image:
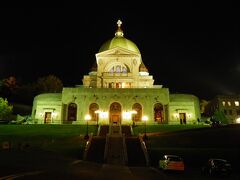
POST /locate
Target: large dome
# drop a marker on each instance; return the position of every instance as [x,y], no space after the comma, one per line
[119,41]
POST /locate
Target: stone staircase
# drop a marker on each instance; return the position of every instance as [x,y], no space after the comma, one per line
[115,148]
[116,145]
[127,130]
[103,130]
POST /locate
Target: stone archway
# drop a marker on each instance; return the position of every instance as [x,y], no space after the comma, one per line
[72,112]
[115,113]
[158,113]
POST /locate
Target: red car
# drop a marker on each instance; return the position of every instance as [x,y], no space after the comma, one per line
[171,162]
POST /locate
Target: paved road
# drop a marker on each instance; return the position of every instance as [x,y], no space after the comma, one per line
[46,165]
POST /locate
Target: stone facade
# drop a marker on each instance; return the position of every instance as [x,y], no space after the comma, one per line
[118,89]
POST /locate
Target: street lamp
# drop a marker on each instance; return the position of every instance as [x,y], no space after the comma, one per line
[97,112]
[87,118]
[133,112]
[145,119]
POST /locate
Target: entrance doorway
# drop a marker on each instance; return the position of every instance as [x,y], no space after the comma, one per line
[182,117]
[115,113]
[48,118]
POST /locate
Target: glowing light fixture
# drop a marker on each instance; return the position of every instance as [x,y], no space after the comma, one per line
[54,114]
[133,112]
[127,115]
[103,114]
[176,115]
[97,111]
[236,103]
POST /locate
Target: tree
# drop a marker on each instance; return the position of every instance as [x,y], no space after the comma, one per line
[5,109]
[220,116]
[16,92]
[49,84]
[8,87]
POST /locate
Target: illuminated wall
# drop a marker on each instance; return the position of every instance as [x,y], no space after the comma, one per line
[183,109]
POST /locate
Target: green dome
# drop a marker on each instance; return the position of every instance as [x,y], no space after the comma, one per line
[119,42]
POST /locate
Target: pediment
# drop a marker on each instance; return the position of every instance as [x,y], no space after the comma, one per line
[117,51]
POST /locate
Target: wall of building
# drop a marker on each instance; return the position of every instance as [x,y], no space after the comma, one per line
[104,97]
[183,104]
[44,103]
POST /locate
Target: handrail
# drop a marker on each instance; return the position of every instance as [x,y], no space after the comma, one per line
[125,155]
[106,148]
[98,131]
[88,145]
[144,148]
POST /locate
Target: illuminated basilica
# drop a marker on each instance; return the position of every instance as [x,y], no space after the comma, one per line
[117,90]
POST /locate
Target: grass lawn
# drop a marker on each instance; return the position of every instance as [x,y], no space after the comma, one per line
[164,128]
[67,140]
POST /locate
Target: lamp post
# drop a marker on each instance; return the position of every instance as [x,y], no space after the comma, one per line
[133,112]
[97,112]
[145,118]
[87,118]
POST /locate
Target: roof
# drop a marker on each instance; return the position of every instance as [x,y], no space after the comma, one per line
[119,41]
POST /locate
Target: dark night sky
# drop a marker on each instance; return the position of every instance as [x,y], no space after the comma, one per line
[189,50]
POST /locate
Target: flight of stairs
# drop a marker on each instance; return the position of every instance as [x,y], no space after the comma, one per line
[116,145]
[103,130]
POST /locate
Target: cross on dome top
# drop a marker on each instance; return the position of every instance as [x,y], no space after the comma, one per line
[119,23]
[119,32]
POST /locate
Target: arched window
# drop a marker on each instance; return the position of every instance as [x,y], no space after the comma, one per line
[124,70]
[111,70]
[92,111]
[72,112]
[119,69]
[138,116]
[158,113]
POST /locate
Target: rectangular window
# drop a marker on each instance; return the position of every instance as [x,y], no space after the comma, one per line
[229,103]
[236,103]
[223,103]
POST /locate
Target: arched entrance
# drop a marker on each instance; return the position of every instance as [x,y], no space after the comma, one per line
[158,113]
[92,111]
[137,117]
[72,112]
[115,113]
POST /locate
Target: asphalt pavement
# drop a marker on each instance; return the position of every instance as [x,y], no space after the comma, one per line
[37,164]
